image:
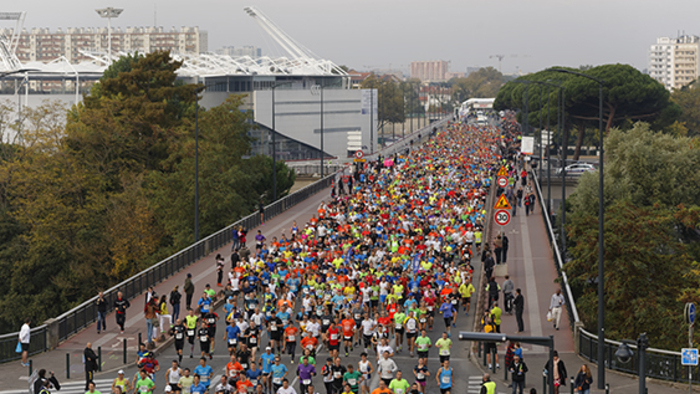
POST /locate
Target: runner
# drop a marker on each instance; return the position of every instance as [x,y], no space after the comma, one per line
[444,377]
[445,346]
[191,325]
[421,373]
[179,331]
[423,343]
[366,369]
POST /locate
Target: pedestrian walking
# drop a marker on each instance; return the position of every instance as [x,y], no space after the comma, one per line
[189,291]
[121,304]
[235,239]
[519,304]
[101,306]
[508,288]
[24,338]
[219,269]
[559,372]
[555,306]
[518,369]
[584,380]
[175,298]
[504,248]
[150,312]
[261,209]
[90,359]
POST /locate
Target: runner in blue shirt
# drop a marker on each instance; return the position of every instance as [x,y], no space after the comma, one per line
[197,386]
[205,372]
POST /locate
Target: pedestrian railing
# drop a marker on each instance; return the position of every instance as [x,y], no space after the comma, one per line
[57,330]
[660,364]
[572,312]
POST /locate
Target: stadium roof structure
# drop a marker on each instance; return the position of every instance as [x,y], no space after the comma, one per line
[299,62]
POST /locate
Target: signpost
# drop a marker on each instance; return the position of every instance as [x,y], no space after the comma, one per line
[502,182]
[359,156]
[502,217]
[502,203]
[502,172]
[689,356]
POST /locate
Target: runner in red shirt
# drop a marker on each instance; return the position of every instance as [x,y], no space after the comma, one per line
[333,335]
[348,327]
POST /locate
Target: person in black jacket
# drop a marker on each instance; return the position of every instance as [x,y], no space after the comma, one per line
[504,248]
[519,304]
[518,369]
[101,305]
[559,372]
[120,306]
[175,298]
[584,380]
[90,365]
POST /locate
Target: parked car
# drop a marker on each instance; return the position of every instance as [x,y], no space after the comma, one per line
[577,169]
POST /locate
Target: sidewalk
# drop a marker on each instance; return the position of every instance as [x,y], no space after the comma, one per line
[530,266]
[111,342]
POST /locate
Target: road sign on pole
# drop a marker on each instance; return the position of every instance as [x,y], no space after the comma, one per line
[502,203]
[359,154]
[502,217]
[502,181]
[689,313]
[689,356]
[502,172]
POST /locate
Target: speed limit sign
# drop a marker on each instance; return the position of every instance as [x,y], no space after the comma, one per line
[359,154]
[502,181]
[502,217]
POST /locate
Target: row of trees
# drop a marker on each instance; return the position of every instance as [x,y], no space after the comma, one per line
[652,243]
[99,192]
[628,96]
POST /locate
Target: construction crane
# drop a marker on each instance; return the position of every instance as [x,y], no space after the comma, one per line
[501,57]
[8,47]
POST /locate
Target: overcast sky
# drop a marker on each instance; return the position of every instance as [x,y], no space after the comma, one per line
[533,34]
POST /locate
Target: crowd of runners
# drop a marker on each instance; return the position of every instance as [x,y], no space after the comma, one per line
[384,261]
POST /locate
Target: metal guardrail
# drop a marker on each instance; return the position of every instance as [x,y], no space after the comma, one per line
[572,312]
[84,314]
[660,364]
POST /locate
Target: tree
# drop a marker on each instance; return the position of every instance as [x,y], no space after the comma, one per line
[688,99]
[390,100]
[651,235]
[483,83]
[628,96]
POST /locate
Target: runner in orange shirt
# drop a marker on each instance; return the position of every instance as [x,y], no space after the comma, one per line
[309,342]
[290,337]
[233,368]
[348,327]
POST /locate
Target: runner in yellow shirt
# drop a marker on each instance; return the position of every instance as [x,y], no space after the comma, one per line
[465,291]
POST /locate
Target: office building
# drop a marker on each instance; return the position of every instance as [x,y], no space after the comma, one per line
[44,45]
[247,50]
[430,71]
[674,61]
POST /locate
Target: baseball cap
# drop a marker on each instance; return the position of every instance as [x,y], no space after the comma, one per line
[168,389]
[121,372]
[268,348]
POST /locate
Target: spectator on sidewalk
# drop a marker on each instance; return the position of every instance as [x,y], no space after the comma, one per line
[496,313]
[498,249]
[101,306]
[189,291]
[519,304]
[518,369]
[91,364]
[487,386]
[559,372]
[493,288]
[24,337]
[555,306]
[584,380]
[504,253]
[175,298]
[150,313]
[166,320]
[508,287]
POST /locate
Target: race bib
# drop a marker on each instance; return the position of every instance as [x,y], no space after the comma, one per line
[431,308]
[422,320]
[143,389]
[337,375]
[454,302]
[357,316]
[306,382]
[190,333]
[352,382]
[397,326]
[253,340]
[291,338]
[334,337]
[254,382]
[444,352]
[232,341]
[445,380]
[204,338]
[420,376]
[326,322]
[423,346]
[179,336]
[277,380]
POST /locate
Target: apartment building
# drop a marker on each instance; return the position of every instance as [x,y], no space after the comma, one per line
[430,71]
[675,62]
[43,45]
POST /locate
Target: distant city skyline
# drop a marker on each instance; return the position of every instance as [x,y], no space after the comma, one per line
[530,35]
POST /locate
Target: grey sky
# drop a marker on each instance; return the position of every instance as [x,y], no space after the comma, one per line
[380,33]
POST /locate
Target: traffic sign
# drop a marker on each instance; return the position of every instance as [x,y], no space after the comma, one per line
[502,172]
[358,160]
[689,313]
[502,217]
[359,154]
[689,356]
[502,203]
[502,181]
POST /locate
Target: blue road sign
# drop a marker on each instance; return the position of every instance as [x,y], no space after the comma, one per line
[691,313]
[689,356]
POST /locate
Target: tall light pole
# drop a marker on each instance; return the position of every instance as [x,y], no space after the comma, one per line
[109,13]
[196,161]
[274,141]
[601,240]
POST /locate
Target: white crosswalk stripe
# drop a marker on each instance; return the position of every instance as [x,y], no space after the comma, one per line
[74,387]
[474,385]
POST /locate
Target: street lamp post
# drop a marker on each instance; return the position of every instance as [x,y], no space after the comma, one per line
[196,162]
[274,141]
[109,13]
[601,240]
